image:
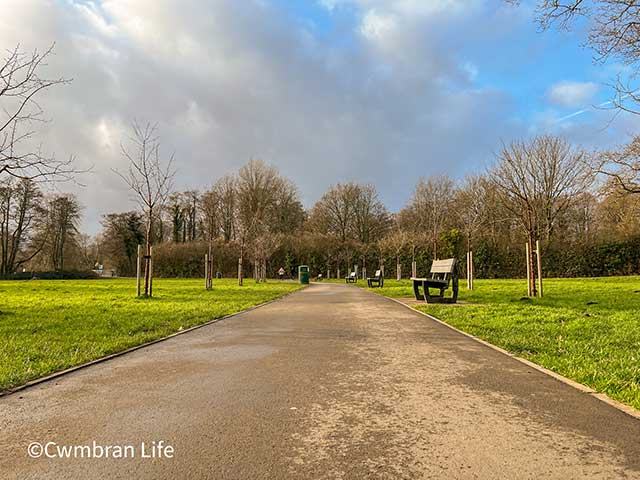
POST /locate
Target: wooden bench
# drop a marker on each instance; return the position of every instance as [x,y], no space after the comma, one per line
[377,280]
[352,278]
[443,274]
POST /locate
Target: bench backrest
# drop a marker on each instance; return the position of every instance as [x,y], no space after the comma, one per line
[443,269]
[443,266]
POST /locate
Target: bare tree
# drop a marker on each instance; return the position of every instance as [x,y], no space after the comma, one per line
[175,209]
[62,227]
[150,179]
[256,187]
[430,208]
[395,244]
[21,83]
[333,214]
[618,213]
[263,248]
[350,211]
[537,181]
[262,196]
[470,206]
[21,216]
[621,166]
[226,191]
[371,218]
[191,200]
[122,234]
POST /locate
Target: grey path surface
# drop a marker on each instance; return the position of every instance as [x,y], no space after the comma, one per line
[332,382]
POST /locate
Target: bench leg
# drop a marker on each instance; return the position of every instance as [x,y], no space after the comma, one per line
[427,294]
[454,288]
[416,291]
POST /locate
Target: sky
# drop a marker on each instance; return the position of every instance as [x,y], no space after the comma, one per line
[373,91]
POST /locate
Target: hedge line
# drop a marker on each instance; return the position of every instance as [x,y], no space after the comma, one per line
[491,260]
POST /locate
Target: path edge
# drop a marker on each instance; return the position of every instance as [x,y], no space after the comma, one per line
[54,375]
[556,376]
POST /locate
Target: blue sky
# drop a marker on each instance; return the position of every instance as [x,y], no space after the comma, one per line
[376,91]
[523,61]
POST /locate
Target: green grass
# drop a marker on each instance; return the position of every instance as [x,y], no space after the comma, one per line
[50,325]
[587,329]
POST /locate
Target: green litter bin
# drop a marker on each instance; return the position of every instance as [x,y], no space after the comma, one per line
[303,274]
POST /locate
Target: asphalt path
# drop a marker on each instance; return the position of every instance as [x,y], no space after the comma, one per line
[332,382]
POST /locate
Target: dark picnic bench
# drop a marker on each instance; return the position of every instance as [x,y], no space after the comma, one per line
[443,274]
[377,280]
[351,278]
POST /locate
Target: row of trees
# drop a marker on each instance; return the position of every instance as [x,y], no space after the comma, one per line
[39,231]
[543,189]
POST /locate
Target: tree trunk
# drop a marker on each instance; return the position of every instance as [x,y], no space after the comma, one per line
[398,269]
[147,259]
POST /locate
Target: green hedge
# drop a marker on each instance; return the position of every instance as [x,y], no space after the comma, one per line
[490,260]
[62,275]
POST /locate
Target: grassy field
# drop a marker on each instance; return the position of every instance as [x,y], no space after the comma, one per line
[50,325]
[586,329]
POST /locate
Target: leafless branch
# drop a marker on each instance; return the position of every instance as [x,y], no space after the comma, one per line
[21,83]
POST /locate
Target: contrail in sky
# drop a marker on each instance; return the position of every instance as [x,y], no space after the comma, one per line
[600,105]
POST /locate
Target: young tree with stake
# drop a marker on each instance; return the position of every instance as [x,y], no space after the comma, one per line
[537,181]
[150,179]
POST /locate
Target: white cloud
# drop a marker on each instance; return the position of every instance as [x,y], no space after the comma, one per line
[572,94]
[407,7]
[376,25]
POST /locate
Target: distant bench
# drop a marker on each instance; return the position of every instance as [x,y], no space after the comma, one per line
[443,273]
[377,280]
[351,278]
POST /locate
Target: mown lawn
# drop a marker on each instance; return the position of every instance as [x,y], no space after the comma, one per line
[587,329]
[50,325]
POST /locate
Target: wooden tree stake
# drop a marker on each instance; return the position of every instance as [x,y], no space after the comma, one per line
[151,271]
[206,271]
[473,273]
[539,258]
[138,270]
[528,270]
